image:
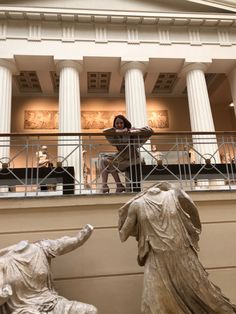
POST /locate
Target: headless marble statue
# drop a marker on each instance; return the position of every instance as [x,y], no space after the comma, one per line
[26,284]
[166,224]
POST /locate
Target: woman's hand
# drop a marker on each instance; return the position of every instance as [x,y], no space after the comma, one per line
[135,131]
[123,131]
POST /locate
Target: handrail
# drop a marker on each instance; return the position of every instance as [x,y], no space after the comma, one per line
[112,133]
[78,162]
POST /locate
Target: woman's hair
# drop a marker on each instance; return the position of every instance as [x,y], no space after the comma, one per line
[127,124]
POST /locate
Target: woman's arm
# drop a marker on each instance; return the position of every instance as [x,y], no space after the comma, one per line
[143,133]
[146,130]
[112,138]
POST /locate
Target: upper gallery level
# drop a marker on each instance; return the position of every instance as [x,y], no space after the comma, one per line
[130,30]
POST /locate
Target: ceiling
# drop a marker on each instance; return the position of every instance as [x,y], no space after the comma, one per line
[129,5]
[101,77]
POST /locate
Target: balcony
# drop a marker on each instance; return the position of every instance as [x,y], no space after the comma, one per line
[193,161]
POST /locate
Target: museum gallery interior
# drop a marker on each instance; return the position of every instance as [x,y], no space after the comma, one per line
[67,68]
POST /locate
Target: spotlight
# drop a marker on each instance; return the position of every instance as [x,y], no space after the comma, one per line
[232,104]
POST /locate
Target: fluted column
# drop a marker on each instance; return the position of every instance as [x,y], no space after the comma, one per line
[70,148]
[200,113]
[6,70]
[135,97]
[232,82]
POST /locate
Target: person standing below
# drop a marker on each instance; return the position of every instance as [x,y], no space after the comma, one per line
[127,140]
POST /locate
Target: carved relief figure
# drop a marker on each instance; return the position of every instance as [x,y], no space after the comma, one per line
[158,119]
[97,119]
[166,224]
[26,285]
[40,119]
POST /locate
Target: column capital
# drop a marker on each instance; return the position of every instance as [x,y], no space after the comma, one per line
[78,65]
[10,65]
[194,66]
[125,66]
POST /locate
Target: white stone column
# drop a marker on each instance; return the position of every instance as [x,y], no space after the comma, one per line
[200,113]
[135,98]
[232,82]
[6,70]
[70,148]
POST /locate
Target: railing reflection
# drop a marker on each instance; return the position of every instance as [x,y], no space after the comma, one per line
[73,163]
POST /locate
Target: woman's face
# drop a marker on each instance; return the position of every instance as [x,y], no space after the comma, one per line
[119,124]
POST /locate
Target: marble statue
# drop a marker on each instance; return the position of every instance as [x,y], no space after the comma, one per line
[166,225]
[26,285]
[43,158]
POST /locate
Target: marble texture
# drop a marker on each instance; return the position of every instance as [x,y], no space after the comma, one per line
[166,225]
[26,284]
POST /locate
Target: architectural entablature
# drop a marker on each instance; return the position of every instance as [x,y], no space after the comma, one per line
[68,26]
[117,17]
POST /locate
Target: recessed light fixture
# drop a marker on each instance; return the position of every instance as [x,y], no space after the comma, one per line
[232,104]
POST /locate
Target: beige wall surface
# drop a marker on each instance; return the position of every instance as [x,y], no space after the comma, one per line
[220,99]
[177,107]
[104,271]
[177,110]
[20,104]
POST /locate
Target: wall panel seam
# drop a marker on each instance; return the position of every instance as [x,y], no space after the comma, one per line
[133,274]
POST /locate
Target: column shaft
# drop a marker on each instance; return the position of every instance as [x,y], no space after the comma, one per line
[135,97]
[5,105]
[69,101]
[70,148]
[200,116]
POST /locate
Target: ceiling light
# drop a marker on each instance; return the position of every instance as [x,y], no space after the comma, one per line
[232,104]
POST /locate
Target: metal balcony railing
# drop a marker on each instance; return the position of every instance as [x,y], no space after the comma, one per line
[194,161]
